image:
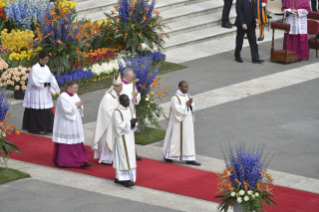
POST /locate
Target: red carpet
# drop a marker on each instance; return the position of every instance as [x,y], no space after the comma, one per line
[162,176]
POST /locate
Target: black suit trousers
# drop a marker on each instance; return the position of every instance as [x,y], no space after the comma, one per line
[226,11]
[251,34]
[314,5]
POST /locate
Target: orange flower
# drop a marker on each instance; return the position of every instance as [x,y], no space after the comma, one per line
[131,4]
[140,33]
[166,89]
[125,35]
[66,26]
[133,26]
[157,13]
[160,95]
[144,18]
[150,24]
[58,41]
[146,9]
[17,132]
[160,36]
[237,181]
[50,54]
[117,6]
[142,86]
[151,95]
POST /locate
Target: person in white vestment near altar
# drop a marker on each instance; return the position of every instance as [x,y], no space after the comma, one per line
[38,115]
[129,89]
[124,158]
[68,133]
[103,140]
[179,142]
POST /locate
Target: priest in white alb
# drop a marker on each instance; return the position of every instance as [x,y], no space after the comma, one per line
[124,159]
[68,133]
[179,142]
[130,90]
[38,115]
[103,141]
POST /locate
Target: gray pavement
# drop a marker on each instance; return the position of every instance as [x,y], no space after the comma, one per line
[28,195]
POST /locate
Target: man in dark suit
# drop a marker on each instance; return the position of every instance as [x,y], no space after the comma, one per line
[225,15]
[246,23]
[314,5]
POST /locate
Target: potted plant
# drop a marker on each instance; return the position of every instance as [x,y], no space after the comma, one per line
[245,181]
[15,79]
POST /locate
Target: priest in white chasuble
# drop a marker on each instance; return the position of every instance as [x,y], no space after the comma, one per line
[38,116]
[68,133]
[124,160]
[179,142]
[103,140]
[129,89]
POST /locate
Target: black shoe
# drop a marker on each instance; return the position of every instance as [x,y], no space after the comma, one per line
[227,25]
[127,183]
[260,39]
[269,16]
[231,24]
[34,132]
[238,59]
[138,158]
[193,163]
[56,164]
[258,61]
[168,160]
[106,164]
[85,165]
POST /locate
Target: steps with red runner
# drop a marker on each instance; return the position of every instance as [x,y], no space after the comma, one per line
[161,176]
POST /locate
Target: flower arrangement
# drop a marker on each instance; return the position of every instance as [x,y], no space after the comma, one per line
[16,40]
[80,76]
[67,4]
[105,69]
[6,147]
[245,180]
[64,38]
[5,52]
[15,78]
[26,13]
[147,109]
[3,65]
[136,22]
[100,55]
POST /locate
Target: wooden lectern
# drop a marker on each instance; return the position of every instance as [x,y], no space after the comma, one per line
[282,55]
[313,16]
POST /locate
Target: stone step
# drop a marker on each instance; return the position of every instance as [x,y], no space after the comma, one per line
[197,23]
[95,9]
[191,11]
[198,36]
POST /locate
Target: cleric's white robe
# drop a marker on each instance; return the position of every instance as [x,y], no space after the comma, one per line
[179,142]
[103,139]
[128,90]
[124,160]
[298,22]
[37,96]
[68,127]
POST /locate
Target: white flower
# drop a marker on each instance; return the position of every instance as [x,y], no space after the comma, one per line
[3,135]
[256,195]
[241,192]
[233,194]
[239,199]
[253,196]
[250,192]
[147,99]
[246,198]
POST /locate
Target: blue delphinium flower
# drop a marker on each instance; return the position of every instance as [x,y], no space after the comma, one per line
[76,75]
[150,10]
[124,7]
[4,104]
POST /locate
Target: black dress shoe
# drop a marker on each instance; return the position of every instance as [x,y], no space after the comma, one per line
[85,165]
[56,164]
[168,160]
[260,39]
[245,37]
[34,132]
[269,16]
[238,59]
[231,24]
[138,158]
[106,164]
[258,61]
[227,25]
[193,163]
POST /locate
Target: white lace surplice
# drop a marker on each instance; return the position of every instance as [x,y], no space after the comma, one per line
[298,22]
[68,127]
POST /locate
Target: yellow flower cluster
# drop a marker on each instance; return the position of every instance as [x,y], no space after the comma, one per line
[107,22]
[3,3]
[68,4]
[16,40]
[24,54]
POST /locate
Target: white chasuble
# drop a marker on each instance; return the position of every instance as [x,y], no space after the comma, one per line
[68,128]
[128,90]
[124,144]
[179,142]
[103,138]
[37,96]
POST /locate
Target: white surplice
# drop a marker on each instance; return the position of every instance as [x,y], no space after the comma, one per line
[124,160]
[68,127]
[128,90]
[37,96]
[103,137]
[179,142]
[298,22]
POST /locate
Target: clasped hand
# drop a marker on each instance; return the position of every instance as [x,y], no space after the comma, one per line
[134,120]
[79,104]
[189,102]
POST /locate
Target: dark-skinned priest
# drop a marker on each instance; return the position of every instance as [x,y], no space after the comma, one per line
[124,159]
[38,116]
[179,142]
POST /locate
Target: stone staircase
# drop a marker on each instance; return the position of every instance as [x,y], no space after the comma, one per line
[188,21]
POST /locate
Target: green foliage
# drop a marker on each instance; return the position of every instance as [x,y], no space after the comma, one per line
[6,148]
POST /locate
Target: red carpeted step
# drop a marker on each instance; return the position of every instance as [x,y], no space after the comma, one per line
[161,176]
